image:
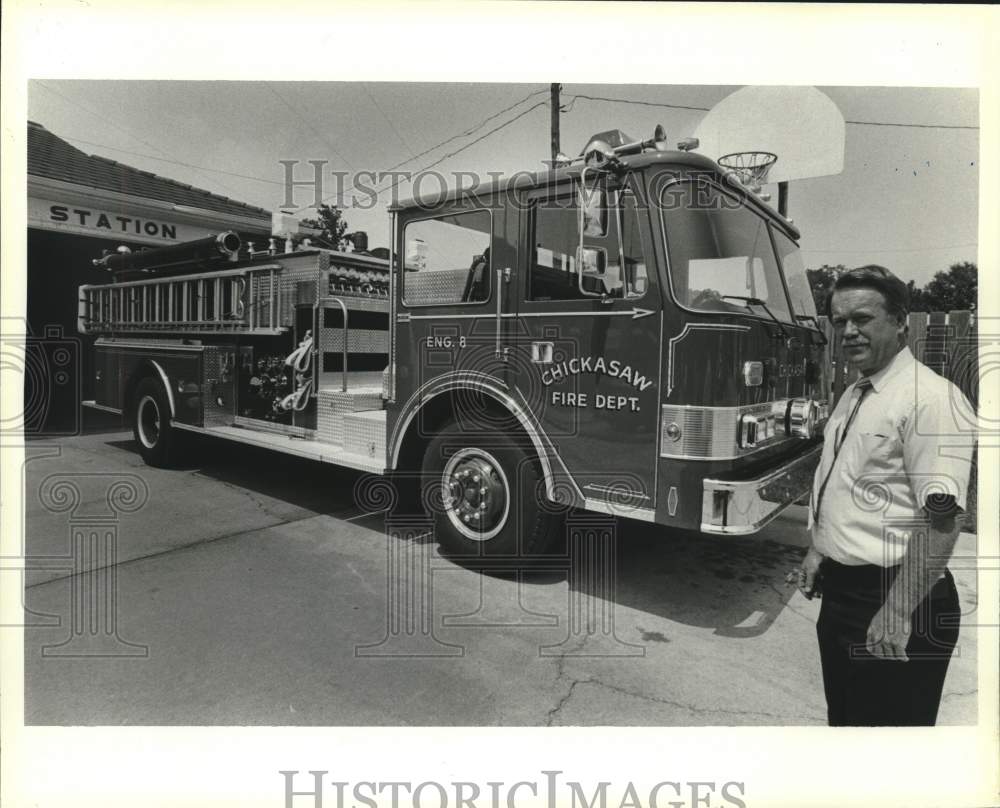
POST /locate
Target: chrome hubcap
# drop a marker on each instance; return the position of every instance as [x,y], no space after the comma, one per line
[149,422]
[476,494]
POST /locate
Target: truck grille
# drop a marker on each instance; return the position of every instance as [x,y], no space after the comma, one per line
[713,433]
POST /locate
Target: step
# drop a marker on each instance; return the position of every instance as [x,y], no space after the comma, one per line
[333,379]
[312,449]
[332,405]
[364,433]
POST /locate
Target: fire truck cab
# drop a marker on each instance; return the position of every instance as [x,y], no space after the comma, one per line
[631,333]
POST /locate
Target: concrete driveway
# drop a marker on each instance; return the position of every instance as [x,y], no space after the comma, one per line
[250,588]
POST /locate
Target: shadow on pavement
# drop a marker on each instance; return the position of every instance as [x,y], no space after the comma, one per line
[318,487]
[734,585]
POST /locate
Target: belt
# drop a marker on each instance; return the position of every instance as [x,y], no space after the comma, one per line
[864,575]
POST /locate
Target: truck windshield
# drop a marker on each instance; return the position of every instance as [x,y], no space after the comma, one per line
[796,279]
[719,251]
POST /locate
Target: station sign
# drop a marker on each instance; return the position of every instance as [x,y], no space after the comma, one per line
[109,222]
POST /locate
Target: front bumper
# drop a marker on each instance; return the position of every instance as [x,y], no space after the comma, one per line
[742,506]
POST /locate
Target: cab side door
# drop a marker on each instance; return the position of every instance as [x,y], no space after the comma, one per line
[588,348]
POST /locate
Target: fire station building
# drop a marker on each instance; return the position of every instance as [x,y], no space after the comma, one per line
[78,206]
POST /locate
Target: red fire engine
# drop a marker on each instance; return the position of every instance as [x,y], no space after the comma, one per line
[631,332]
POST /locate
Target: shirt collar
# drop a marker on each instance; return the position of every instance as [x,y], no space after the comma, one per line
[902,360]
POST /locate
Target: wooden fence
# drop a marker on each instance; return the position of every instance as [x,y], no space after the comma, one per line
[945,342]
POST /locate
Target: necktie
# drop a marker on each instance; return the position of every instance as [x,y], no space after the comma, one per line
[861,388]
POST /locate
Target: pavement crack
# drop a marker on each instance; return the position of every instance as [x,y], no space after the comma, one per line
[168,551]
[258,503]
[560,660]
[690,707]
[696,710]
[551,715]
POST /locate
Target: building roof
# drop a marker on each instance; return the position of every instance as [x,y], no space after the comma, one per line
[52,157]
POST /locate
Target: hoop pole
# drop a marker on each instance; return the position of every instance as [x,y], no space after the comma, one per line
[783,198]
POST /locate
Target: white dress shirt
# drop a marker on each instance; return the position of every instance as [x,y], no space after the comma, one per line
[912,437]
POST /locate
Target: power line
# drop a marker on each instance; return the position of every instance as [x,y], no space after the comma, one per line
[638,103]
[913,125]
[107,121]
[379,192]
[103,118]
[471,130]
[474,142]
[173,162]
[706,109]
[311,127]
[388,120]
[895,250]
[465,133]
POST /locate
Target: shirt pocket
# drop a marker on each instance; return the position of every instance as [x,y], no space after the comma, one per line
[874,453]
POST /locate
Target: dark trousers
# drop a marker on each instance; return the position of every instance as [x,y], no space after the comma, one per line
[864,690]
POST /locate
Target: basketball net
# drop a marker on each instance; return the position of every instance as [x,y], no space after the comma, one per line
[750,167]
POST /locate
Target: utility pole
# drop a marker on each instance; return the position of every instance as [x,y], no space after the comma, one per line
[554,103]
[783,198]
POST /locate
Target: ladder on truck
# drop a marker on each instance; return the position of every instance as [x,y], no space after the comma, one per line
[243,301]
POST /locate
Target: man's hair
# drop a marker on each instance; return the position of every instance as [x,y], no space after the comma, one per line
[893,290]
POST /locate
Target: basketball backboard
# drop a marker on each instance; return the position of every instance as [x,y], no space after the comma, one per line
[801,125]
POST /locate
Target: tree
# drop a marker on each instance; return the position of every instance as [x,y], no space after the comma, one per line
[916,297]
[954,290]
[821,282]
[331,222]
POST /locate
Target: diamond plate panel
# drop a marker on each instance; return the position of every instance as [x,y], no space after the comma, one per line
[333,406]
[361,340]
[219,368]
[357,303]
[434,288]
[364,434]
[296,271]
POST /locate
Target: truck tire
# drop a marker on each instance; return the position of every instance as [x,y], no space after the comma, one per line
[156,438]
[487,495]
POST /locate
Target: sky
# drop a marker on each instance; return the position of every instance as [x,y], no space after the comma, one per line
[907,197]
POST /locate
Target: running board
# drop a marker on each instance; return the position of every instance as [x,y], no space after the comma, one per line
[312,449]
[93,405]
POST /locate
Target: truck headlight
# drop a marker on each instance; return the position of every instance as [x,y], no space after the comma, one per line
[800,420]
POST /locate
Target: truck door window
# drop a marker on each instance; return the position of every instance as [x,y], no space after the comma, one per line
[718,247]
[611,243]
[446,260]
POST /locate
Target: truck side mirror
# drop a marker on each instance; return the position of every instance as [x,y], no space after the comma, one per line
[593,221]
[591,264]
[593,211]
[638,280]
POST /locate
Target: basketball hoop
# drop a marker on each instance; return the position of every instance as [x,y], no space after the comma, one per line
[750,167]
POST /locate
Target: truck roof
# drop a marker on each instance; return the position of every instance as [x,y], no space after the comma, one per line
[633,162]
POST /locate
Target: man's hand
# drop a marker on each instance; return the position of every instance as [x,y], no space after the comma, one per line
[888,633]
[809,574]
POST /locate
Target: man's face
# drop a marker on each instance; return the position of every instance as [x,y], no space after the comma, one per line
[871,336]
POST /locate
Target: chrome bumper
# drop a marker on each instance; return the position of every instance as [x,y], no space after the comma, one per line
[739,507]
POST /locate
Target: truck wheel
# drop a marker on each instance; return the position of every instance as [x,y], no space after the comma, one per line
[487,492]
[151,424]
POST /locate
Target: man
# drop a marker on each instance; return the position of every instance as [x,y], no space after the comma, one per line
[884,516]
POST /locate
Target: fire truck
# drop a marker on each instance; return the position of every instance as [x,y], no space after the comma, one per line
[629,332]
